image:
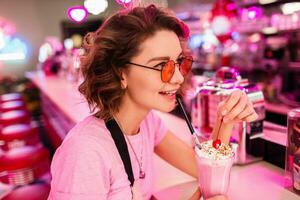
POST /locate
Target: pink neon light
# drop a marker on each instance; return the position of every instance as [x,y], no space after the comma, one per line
[77,13]
[7,27]
[254,12]
[123,2]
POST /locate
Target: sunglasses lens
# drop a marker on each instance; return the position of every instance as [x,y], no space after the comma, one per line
[168,71]
[186,65]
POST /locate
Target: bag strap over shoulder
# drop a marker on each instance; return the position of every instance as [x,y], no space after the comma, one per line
[121,145]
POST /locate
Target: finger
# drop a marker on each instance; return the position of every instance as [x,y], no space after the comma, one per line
[252,117]
[247,111]
[236,120]
[224,136]
[221,108]
[231,101]
[237,109]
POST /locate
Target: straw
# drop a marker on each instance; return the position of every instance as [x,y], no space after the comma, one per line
[187,120]
[185,115]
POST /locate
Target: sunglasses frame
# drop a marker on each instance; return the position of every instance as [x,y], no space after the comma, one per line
[154,67]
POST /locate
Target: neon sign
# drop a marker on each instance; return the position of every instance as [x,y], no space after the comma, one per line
[11,47]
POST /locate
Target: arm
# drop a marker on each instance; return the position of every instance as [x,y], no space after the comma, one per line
[184,161]
[235,108]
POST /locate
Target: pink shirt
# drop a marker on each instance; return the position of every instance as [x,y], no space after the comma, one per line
[88,166]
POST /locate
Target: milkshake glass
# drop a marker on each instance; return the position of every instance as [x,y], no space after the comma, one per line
[214,166]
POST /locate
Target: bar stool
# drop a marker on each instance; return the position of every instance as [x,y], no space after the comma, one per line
[12,105]
[37,191]
[10,97]
[18,135]
[14,117]
[23,165]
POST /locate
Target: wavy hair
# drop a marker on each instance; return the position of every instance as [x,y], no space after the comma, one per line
[112,46]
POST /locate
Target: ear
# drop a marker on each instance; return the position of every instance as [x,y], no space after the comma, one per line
[123,78]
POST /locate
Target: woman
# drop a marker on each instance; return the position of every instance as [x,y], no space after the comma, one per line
[132,64]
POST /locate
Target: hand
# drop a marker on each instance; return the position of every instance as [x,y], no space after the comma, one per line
[219,197]
[235,108]
[196,195]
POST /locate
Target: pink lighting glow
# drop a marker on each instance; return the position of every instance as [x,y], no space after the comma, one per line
[7,27]
[251,14]
[254,12]
[124,3]
[77,13]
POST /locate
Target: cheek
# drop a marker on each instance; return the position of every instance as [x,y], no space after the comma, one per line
[145,83]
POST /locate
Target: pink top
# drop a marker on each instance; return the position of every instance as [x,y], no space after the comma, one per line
[88,166]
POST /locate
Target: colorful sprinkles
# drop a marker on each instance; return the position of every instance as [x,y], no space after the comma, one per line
[207,150]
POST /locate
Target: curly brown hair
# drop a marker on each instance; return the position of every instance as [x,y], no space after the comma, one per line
[112,46]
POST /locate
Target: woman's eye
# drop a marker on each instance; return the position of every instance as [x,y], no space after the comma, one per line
[160,65]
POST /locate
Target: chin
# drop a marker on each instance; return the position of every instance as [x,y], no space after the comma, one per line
[166,108]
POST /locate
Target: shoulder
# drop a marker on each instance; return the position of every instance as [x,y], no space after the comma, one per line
[90,127]
[91,132]
[87,161]
[80,166]
[82,157]
[87,138]
[79,149]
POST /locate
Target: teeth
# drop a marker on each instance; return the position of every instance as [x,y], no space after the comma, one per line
[169,92]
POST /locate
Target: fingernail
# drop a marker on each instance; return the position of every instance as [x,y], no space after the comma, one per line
[224,112]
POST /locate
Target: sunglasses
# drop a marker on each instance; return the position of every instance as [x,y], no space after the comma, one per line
[168,68]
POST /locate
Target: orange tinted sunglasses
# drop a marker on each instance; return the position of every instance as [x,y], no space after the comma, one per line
[168,68]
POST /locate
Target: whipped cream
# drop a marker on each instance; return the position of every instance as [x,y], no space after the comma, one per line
[208,151]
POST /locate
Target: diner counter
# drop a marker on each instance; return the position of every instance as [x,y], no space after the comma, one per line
[259,180]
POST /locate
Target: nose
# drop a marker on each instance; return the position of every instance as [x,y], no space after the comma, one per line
[177,77]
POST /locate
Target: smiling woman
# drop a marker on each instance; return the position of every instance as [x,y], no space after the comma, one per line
[133,63]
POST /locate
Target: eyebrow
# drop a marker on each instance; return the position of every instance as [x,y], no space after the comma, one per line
[163,58]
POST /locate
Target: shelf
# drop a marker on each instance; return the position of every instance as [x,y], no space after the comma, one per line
[275,133]
[278,108]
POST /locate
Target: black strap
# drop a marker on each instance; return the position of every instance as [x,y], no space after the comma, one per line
[121,145]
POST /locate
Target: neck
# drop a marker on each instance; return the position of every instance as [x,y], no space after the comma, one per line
[130,117]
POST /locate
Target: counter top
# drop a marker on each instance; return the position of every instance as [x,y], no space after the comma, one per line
[256,181]
[62,93]
[260,180]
